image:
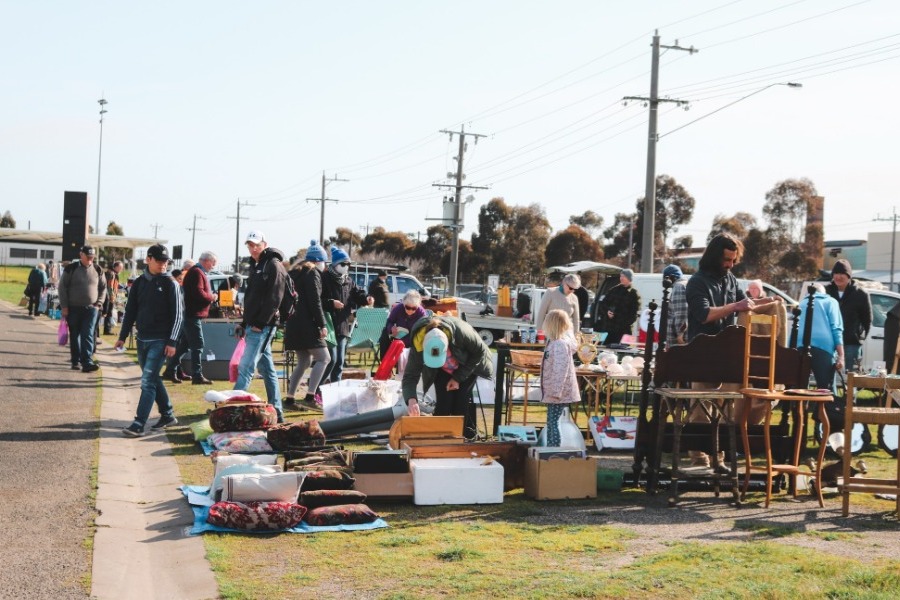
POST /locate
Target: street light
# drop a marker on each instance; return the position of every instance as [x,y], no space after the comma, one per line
[102,102]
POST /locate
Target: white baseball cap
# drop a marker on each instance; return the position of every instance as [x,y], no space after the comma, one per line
[255,236]
[434,349]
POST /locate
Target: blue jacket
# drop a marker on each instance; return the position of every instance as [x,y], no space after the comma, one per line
[155,305]
[827,323]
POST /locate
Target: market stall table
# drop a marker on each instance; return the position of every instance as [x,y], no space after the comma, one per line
[589,378]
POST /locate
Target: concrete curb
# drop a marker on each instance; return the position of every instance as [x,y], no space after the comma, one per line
[142,548]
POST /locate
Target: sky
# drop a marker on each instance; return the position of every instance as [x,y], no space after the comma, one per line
[211,104]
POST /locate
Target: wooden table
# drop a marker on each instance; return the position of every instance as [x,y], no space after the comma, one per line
[798,400]
[589,378]
[503,360]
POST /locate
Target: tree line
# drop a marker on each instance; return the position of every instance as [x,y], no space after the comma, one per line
[517,243]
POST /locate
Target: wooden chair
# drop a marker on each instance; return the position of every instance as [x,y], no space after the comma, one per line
[885,415]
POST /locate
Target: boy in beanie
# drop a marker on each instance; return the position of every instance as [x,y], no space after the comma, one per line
[856,310]
[340,297]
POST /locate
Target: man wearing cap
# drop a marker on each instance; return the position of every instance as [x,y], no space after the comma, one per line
[563,298]
[378,289]
[448,353]
[856,310]
[82,291]
[676,322]
[265,290]
[340,297]
[619,309]
[156,307]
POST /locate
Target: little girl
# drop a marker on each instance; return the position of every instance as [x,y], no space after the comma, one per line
[559,384]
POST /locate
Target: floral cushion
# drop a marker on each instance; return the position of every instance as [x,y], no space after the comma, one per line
[243,417]
[318,498]
[256,516]
[288,436]
[341,514]
[327,480]
[240,442]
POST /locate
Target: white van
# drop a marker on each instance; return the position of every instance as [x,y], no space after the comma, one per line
[398,283]
[648,285]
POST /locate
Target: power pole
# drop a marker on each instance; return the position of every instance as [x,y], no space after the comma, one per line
[237,235]
[893,242]
[630,239]
[193,231]
[457,224]
[156,227]
[652,137]
[323,200]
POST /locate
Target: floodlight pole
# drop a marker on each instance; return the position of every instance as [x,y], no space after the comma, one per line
[102,102]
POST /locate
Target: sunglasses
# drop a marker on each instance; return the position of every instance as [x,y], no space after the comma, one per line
[409,309]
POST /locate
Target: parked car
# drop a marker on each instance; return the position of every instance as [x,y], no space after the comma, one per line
[873,347]
[218,281]
[398,283]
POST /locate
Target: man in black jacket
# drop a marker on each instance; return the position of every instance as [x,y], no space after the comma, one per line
[620,308]
[265,290]
[155,306]
[856,310]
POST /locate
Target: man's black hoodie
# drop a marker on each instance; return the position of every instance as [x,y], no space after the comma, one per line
[265,288]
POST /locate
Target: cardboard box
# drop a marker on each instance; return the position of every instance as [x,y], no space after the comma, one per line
[561,478]
[456,481]
[442,430]
[510,455]
[385,485]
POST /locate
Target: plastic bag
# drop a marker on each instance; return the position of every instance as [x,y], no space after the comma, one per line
[62,334]
[236,360]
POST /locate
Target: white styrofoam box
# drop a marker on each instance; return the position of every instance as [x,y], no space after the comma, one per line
[456,481]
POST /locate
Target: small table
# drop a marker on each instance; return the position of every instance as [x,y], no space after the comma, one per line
[503,359]
[590,378]
[798,400]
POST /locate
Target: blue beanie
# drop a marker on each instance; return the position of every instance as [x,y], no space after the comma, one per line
[673,271]
[338,256]
[316,253]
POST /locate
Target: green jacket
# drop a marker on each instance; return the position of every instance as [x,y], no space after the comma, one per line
[466,347]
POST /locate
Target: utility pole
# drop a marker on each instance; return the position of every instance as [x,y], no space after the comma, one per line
[193,231]
[102,102]
[630,239]
[237,235]
[893,242]
[156,227]
[323,200]
[457,224]
[652,137]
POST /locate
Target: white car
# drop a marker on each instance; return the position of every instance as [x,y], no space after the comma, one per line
[873,346]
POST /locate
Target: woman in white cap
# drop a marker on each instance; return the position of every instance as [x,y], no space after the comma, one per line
[447,353]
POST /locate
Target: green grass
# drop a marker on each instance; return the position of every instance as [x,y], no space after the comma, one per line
[12,283]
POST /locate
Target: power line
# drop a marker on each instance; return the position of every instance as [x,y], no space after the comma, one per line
[322,200]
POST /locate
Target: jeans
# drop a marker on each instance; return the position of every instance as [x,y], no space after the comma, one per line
[822,364]
[82,321]
[151,357]
[851,355]
[191,338]
[258,355]
[338,354]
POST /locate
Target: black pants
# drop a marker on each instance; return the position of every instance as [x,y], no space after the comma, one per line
[455,403]
[191,339]
[34,300]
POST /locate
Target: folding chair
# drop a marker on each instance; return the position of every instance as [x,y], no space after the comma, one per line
[367,331]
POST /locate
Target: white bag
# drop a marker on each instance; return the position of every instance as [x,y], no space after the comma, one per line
[227,460]
[275,487]
[219,479]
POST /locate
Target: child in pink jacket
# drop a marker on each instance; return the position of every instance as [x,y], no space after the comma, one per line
[559,384]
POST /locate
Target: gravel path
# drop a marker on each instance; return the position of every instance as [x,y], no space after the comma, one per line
[48,436]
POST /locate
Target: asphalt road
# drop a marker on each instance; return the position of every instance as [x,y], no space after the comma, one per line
[48,435]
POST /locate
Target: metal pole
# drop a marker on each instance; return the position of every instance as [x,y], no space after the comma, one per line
[647,246]
[454,248]
[102,102]
[237,239]
[193,235]
[893,245]
[322,213]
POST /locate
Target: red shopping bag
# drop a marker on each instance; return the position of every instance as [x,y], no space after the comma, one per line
[389,360]
[236,360]
[62,334]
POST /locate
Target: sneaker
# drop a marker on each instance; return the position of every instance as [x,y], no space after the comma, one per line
[90,368]
[172,378]
[164,422]
[309,403]
[133,430]
[289,401]
[200,381]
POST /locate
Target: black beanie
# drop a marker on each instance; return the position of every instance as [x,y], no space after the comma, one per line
[842,266]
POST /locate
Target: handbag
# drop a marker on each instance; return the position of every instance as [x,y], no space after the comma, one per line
[236,360]
[330,339]
[62,334]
